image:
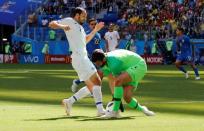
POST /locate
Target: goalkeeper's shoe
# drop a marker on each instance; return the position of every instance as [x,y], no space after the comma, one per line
[67,105]
[111,114]
[147,112]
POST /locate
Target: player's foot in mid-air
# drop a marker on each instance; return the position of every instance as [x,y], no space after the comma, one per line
[186,75]
[111,114]
[147,112]
[74,86]
[67,105]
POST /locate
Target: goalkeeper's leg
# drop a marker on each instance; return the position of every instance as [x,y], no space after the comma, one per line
[133,103]
[121,105]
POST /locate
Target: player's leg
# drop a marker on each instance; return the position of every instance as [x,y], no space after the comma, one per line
[111,86]
[88,73]
[75,84]
[133,103]
[94,85]
[195,69]
[83,92]
[136,73]
[178,64]
[118,94]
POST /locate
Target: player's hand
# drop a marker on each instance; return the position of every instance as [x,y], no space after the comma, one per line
[99,26]
[53,25]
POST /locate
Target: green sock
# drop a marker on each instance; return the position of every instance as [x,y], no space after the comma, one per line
[118,94]
[134,104]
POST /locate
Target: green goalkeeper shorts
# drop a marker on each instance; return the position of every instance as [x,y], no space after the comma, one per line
[136,73]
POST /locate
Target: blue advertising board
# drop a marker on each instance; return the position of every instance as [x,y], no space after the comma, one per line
[32,59]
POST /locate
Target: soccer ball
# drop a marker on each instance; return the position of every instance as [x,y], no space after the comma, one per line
[109,106]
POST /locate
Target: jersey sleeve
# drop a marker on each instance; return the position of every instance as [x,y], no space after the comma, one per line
[66,21]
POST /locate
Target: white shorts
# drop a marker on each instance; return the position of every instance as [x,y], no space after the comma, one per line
[83,66]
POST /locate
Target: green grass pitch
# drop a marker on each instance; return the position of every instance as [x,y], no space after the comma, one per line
[30,100]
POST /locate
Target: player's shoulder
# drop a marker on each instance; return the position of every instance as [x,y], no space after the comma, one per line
[107,33]
[69,20]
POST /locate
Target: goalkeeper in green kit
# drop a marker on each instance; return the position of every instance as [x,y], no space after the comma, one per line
[128,69]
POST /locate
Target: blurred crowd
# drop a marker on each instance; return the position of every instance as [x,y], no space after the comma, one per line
[143,19]
[162,17]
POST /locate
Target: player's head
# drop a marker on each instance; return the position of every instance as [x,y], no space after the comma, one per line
[179,31]
[79,14]
[98,58]
[92,23]
[111,27]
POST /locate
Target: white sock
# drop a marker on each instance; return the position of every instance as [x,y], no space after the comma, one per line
[97,94]
[83,92]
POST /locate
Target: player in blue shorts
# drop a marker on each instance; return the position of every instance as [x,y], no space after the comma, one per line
[184,53]
[90,47]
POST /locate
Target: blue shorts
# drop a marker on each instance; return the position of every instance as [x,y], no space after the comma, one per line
[183,58]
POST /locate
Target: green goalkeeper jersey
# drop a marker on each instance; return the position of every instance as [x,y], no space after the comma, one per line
[119,61]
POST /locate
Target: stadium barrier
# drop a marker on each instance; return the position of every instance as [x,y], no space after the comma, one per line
[153,60]
[57,59]
[32,59]
[10,59]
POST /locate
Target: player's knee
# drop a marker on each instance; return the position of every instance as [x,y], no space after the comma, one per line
[100,73]
[98,81]
[118,82]
[127,98]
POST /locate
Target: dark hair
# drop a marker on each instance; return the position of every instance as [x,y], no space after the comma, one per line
[91,19]
[77,10]
[98,55]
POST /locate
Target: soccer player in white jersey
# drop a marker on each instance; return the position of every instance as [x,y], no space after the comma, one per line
[112,38]
[85,69]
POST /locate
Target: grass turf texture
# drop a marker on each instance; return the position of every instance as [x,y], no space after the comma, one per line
[30,100]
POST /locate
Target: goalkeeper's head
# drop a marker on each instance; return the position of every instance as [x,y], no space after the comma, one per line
[98,58]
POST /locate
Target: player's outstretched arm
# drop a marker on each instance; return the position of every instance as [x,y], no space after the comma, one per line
[97,28]
[56,25]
